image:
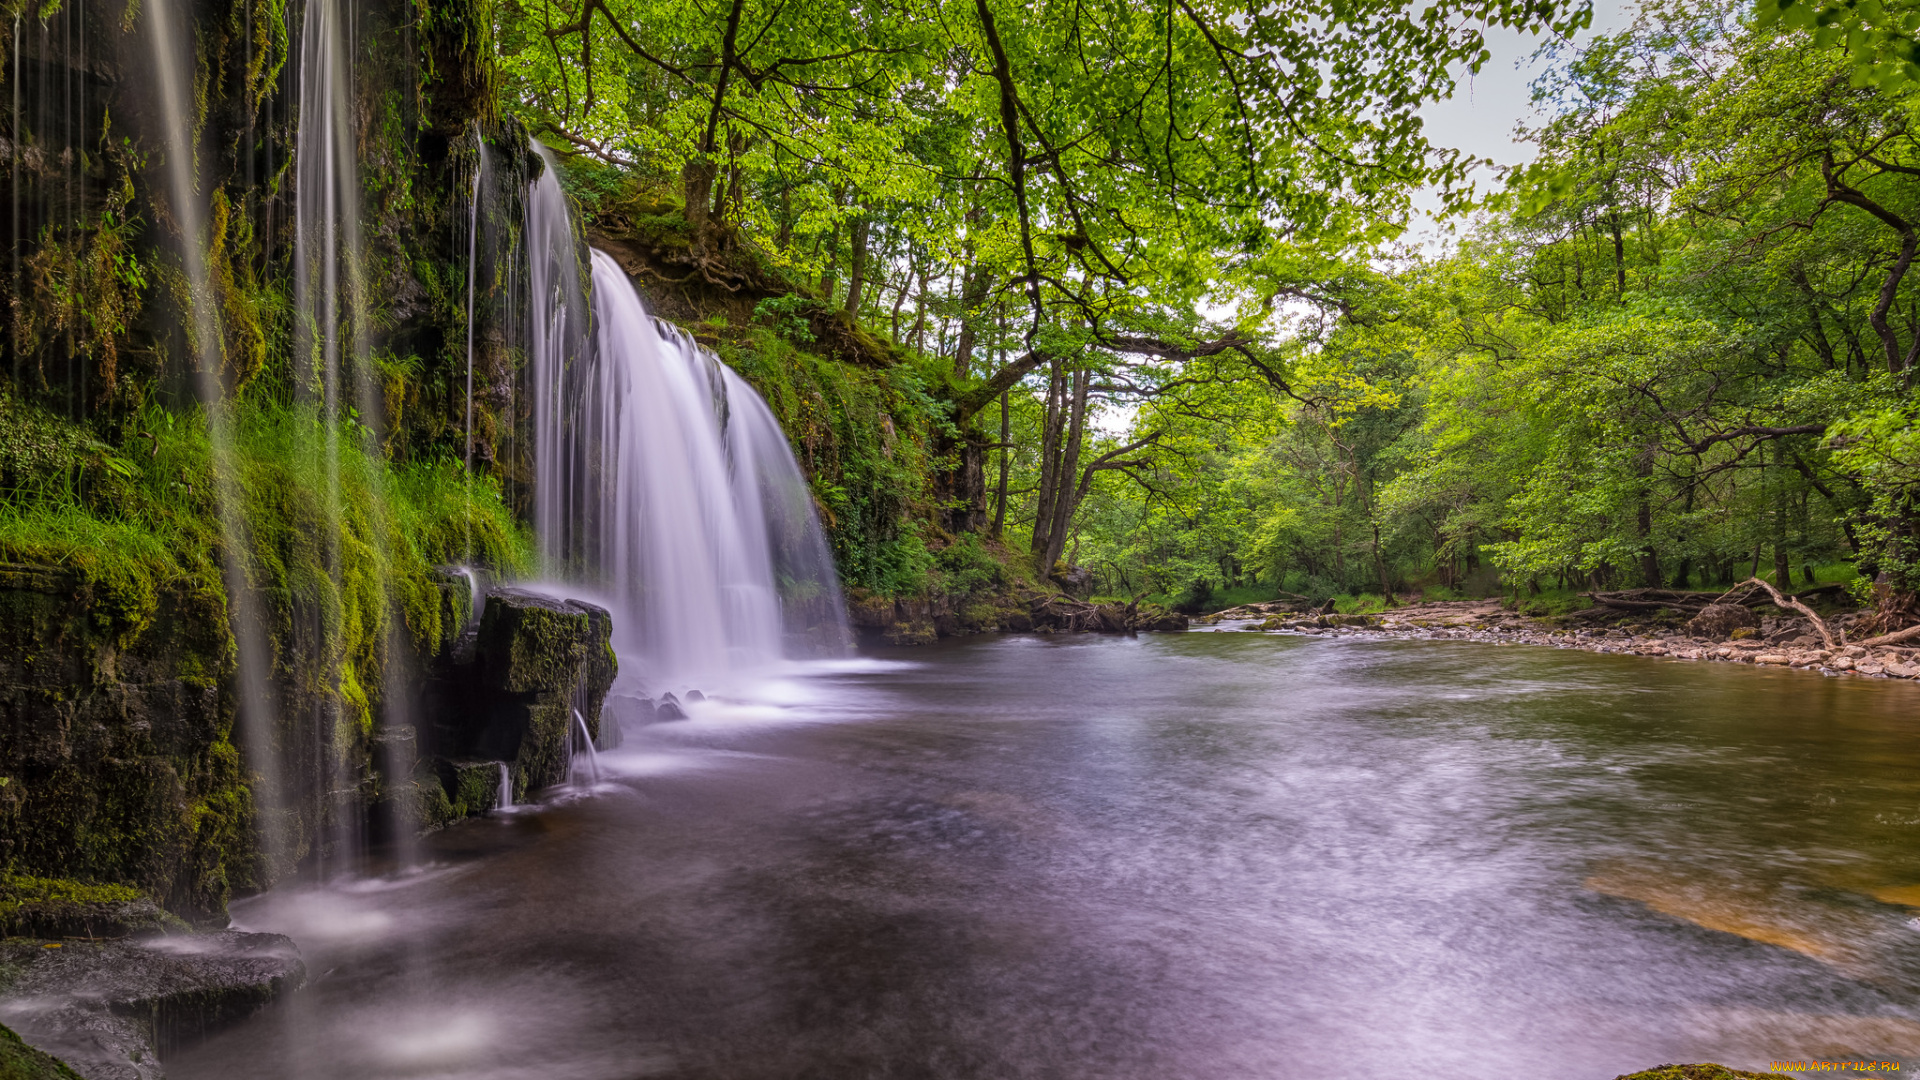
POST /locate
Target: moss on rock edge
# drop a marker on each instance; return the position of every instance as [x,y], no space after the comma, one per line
[18,1061]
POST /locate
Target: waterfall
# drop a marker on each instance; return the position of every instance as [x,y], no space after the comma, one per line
[253,699]
[332,354]
[557,332]
[662,479]
[504,800]
[473,272]
[700,499]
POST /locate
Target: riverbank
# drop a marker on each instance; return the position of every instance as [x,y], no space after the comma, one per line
[1772,640]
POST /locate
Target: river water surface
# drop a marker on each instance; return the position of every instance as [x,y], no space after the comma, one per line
[1206,855]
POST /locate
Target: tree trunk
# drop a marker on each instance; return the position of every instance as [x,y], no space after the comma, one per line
[696,181]
[1782,573]
[1068,473]
[1000,491]
[856,265]
[830,277]
[973,293]
[1643,515]
[920,311]
[1049,466]
[900,298]
[1380,565]
[736,190]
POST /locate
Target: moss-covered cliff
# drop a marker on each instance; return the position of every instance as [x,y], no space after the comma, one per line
[122,751]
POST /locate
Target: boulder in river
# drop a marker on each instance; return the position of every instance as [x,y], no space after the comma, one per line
[1717,622]
[536,660]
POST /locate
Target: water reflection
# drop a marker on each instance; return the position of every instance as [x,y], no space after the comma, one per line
[1179,856]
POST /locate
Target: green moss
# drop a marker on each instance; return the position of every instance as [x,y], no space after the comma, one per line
[18,889]
[55,907]
[18,1061]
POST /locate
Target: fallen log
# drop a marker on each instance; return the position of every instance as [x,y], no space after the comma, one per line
[1894,638]
[1656,599]
[1793,602]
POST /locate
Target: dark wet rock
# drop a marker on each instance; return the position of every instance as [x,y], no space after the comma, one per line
[625,709]
[114,759]
[695,695]
[1156,618]
[669,708]
[18,1061]
[108,1009]
[536,661]
[1717,622]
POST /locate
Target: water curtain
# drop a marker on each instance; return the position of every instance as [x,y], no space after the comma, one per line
[664,480]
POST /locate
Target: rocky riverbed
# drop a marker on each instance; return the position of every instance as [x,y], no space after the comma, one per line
[1768,640]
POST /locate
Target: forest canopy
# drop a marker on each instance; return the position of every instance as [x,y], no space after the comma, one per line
[1161,248]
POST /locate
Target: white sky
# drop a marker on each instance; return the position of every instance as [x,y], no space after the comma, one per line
[1478,119]
[1481,115]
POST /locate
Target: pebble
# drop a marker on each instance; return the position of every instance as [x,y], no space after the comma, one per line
[1427,625]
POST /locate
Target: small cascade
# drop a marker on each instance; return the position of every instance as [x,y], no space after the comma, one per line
[505,799]
[477,593]
[583,748]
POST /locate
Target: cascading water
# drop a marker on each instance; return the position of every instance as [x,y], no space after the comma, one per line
[663,479]
[504,799]
[584,752]
[698,494]
[254,700]
[332,347]
[558,337]
[473,272]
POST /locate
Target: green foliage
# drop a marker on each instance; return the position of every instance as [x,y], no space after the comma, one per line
[862,437]
[789,317]
[966,568]
[1667,354]
[131,525]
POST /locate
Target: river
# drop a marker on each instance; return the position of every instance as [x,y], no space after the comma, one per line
[1205,855]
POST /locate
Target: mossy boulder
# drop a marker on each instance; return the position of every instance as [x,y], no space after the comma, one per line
[536,661]
[473,787]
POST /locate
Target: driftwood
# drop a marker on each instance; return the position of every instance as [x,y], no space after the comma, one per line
[1793,602]
[1894,638]
[1675,600]
[1059,612]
